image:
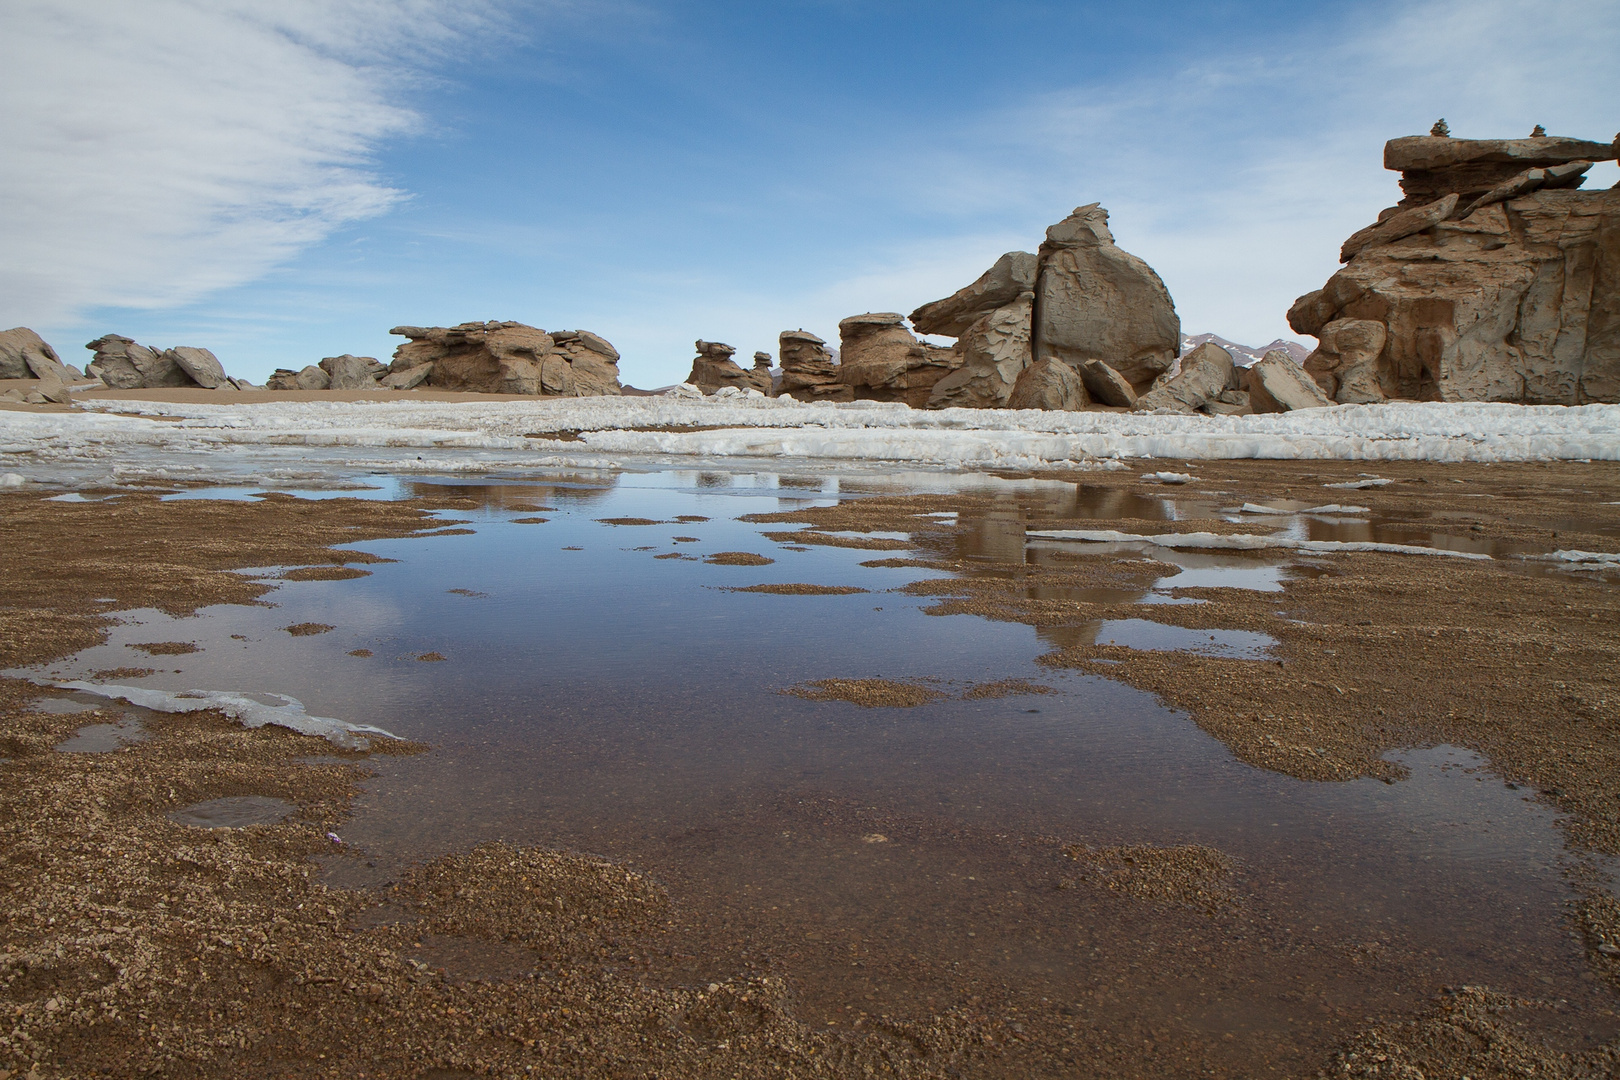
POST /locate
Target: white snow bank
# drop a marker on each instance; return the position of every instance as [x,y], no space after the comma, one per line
[1241,542]
[1330,508]
[247,711]
[396,434]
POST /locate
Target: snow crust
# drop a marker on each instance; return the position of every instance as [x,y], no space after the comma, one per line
[245,710]
[404,434]
[1242,542]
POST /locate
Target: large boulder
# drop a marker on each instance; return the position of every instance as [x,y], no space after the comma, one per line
[1274,383]
[1095,301]
[880,360]
[509,358]
[808,370]
[714,368]
[1012,275]
[1049,384]
[25,355]
[994,352]
[1510,300]
[1205,373]
[1106,385]
[123,365]
[350,372]
[202,366]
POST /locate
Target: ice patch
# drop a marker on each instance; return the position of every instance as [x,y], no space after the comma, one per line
[242,708]
[1242,542]
[1169,477]
[1330,508]
[1361,485]
[1587,560]
[11,479]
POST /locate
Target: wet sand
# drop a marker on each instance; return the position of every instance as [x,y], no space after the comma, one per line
[134,942]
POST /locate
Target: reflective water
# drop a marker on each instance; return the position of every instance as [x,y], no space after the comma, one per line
[234,812]
[599,698]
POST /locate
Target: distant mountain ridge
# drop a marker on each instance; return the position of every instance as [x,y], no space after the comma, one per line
[1243,354]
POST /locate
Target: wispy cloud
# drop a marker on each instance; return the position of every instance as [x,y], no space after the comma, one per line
[1237,176]
[157,152]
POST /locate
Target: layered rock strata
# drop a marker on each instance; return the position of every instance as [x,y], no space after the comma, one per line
[505,358]
[1495,279]
[714,368]
[880,360]
[25,356]
[809,372]
[1080,300]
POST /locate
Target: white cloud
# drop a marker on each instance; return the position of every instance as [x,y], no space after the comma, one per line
[159,151]
[1238,176]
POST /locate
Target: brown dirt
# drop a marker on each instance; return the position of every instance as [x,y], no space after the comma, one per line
[118,673]
[736,558]
[825,539]
[530,521]
[1005,688]
[362,653]
[432,657]
[629,521]
[325,573]
[307,629]
[867,693]
[164,648]
[800,590]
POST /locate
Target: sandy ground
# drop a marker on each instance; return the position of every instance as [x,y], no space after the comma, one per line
[133,945]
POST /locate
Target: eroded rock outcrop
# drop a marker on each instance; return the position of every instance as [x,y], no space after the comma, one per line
[714,368]
[506,358]
[1080,300]
[124,365]
[880,360]
[1049,384]
[25,355]
[808,370]
[1495,279]
[1205,374]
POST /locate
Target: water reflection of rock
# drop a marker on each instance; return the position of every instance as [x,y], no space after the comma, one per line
[519,497]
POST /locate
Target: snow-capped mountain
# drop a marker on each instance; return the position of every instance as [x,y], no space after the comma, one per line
[1243,354]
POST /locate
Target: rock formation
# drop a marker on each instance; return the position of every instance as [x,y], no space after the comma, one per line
[24,355]
[1049,384]
[1494,279]
[880,360]
[1080,299]
[505,358]
[1274,383]
[1205,374]
[123,365]
[808,370]
[715,368]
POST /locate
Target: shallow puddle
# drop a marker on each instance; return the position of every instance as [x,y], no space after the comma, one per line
[597,697]
[234,812]
[103,738]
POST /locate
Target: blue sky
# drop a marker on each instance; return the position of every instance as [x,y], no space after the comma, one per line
[285,181]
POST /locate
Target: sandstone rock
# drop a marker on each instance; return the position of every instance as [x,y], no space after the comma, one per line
[1106,385]
[1094,301]
[312,377]
[714,369]
[201,365]
[25,355]
[1204,375]
[1012,275]
[124,365]
[1229,403]
[808,371]
[994,351]
[1049,384]
[1518,301]
[1398,226]
[1345,364]
[406,379]
[1432,167]
[510,358]
[880,360]
[1275,383]
[350,372]
[282,379]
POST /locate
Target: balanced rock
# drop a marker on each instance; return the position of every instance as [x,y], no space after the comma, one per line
[508,358]
[714,369]
[1096,301]
[1513,297]
[25,355]
[1432,167]
[1205,373]
[1274,383]
[880,360]
[994,351]
[808,370]
[1049,384]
